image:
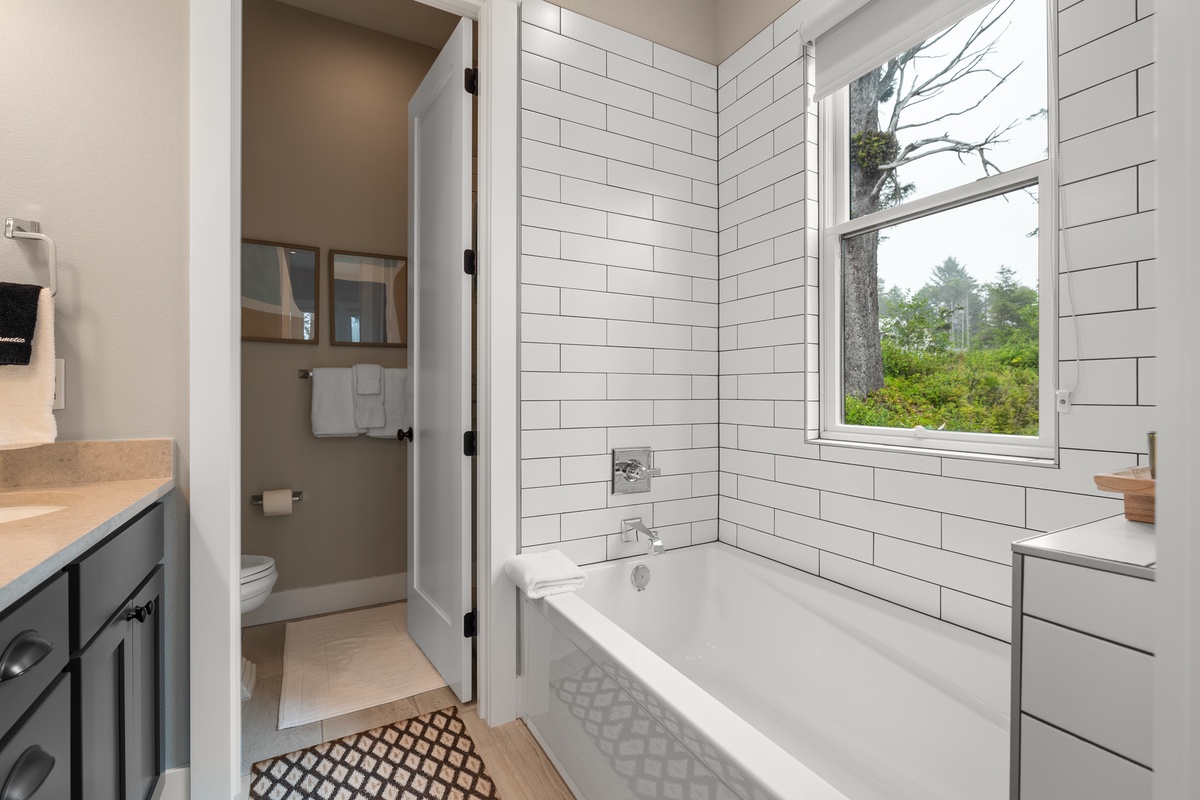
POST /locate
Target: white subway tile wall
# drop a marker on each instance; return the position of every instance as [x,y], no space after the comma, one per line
[669,299]
[930,533]
[619,284]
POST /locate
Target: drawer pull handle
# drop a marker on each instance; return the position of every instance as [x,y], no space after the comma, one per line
[24,653]
[28,774]
[140,613]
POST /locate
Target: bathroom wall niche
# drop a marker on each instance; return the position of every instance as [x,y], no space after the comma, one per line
[279,292]
[368,299]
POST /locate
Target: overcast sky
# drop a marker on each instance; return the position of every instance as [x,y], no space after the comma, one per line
[985,235]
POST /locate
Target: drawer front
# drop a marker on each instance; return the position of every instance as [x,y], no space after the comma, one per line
[42,746]
[1115,607]
[106,576]
[38,623]
[1099,691]
[1057,766]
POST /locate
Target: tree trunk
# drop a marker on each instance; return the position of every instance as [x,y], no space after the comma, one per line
[862,355]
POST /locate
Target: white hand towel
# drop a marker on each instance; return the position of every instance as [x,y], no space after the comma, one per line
[368,379]
[27,392]
[333,403]
[368,396]
[395,404]
[544,574]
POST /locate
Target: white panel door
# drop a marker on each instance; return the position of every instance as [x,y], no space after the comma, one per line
[439,312]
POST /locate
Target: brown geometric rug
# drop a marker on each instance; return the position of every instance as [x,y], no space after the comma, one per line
[429,757]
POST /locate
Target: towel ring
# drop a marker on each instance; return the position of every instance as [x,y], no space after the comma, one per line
[26,229]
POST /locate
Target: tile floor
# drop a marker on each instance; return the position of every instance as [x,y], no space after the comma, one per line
[514,759]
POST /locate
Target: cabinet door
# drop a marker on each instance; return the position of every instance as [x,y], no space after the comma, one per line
[106,670]
[120,707]
[143,725]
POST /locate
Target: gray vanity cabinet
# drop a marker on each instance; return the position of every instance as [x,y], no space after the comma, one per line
[81,712]
[119,669]
[35,694]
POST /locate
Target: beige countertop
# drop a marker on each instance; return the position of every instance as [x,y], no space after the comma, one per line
[125,479]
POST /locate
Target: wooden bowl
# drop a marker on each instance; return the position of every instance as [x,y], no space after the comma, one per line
[1138,487]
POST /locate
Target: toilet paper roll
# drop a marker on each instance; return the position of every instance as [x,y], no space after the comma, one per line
[277,502]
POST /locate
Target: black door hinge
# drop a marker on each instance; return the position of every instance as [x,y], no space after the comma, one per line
[469,262]
[469,443]
[472,80]
[469,626]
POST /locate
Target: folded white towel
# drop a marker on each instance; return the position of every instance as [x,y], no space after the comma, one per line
[544,574]
[333,403]
[368,396]
[395,404]
[368,378]
[27,392]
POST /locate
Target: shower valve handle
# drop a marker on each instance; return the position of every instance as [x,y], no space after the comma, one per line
[634,470]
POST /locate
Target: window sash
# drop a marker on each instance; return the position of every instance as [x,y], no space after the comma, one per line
[836,227]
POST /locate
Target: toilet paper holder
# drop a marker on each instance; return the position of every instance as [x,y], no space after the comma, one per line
[256,499]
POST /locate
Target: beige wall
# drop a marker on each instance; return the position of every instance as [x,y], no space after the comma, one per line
[324,164]
[710,30]
[739,21]
[689,26]
[94,140]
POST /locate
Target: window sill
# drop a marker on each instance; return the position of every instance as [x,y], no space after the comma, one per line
[967,455]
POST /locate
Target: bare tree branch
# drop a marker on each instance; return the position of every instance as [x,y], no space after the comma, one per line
[1000,82]
[914,151]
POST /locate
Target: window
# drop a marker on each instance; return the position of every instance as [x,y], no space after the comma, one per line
[937,268]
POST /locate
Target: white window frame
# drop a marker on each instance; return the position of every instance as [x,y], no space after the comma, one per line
[836,226]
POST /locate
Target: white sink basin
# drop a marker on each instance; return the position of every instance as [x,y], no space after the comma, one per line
[23,505]
[14,513]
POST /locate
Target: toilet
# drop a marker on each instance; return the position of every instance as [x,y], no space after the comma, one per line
[257,579]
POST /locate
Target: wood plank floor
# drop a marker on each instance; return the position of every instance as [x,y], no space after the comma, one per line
[516,761]
[513,757]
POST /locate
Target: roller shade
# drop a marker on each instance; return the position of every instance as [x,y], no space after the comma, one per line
[853,36]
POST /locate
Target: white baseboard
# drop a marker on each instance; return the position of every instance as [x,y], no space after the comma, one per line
[175,784]
[311,600]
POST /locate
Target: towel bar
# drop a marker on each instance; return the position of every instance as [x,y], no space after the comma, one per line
[26,229]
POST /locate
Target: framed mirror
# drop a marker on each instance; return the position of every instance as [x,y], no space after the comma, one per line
[368,299]
[279,292]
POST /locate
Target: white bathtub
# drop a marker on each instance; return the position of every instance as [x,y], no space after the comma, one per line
[732,676]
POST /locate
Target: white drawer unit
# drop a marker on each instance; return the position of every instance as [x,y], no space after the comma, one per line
[1098,690]
[1119,608]
[1083,664]
[1056,766]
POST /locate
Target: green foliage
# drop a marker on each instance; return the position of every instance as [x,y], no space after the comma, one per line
[930,379]
[872,149]
[980,392]
[913,323]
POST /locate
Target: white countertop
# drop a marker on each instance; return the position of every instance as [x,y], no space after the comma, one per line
[1114,544]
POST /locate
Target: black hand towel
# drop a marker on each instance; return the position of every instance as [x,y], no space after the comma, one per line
[18,317]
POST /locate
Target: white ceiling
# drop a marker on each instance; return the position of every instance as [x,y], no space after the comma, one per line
[406,19]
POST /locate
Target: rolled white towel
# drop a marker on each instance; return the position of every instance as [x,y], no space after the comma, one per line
[544,574]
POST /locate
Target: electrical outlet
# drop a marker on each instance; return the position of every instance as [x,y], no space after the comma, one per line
[60,383]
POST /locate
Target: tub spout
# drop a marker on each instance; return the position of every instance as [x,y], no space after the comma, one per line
[629,533]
